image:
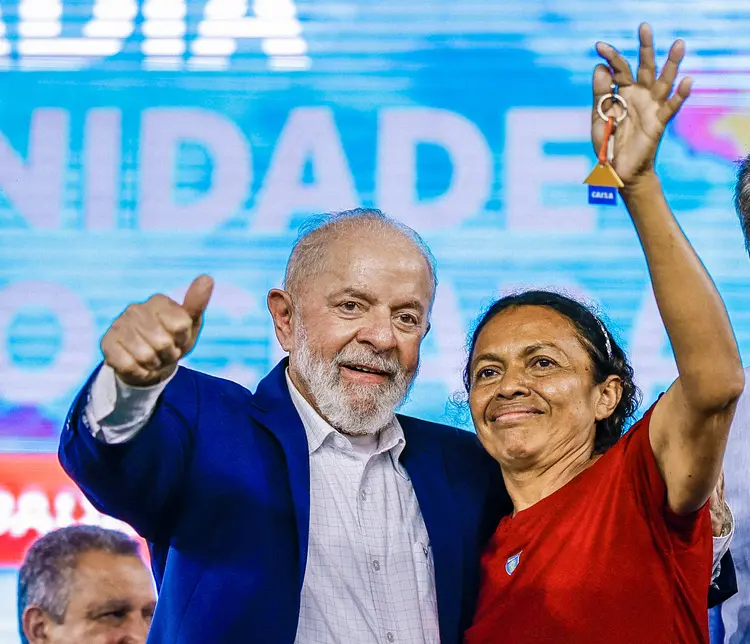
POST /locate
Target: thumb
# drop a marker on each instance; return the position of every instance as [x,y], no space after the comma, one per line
[197,296]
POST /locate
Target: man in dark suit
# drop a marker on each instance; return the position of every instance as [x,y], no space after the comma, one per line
[307,512]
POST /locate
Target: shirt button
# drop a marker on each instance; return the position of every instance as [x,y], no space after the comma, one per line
[390,636]
[363,495]
[376,567]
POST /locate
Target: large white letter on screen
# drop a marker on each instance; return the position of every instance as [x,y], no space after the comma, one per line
[163,30]
[35,188]
[226,21]
[310,134]
[527,169]
[40,26]
[162,130]
[400,131]
[102,163]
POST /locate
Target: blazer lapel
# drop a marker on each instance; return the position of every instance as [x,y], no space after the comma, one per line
[424,460]
[273,408]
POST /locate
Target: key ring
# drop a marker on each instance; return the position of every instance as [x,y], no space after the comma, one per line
[615,98]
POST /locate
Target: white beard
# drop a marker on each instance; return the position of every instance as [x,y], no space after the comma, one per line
[357,410]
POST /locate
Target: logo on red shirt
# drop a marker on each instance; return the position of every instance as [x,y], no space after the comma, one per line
[512,563]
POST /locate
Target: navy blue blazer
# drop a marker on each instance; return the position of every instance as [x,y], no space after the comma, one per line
[218,482]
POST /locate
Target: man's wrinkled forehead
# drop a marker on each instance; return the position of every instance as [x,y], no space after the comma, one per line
[392,264]
[342,242]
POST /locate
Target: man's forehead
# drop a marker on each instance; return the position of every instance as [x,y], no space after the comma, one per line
[391,267]
[106,574]
[391,286]
[394,249]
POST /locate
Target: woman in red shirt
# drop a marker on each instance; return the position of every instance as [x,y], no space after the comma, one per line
[610,538]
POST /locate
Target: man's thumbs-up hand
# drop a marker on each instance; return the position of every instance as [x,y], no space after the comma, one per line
[145,343]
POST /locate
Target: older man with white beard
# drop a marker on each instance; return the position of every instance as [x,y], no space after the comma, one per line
[306,512]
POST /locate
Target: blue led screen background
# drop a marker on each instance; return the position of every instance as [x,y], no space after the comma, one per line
[144,143]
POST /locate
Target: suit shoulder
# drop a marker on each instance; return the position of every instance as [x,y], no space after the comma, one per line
[452,437]
[465,456]
[213,386]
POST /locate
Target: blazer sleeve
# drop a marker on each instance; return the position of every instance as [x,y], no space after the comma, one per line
[136,481]
[725,585]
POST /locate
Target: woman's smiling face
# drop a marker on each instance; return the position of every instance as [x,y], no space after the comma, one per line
[532,392]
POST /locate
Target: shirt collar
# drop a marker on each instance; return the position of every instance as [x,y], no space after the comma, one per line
[390,439]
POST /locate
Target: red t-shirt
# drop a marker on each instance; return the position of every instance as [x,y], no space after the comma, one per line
[601,560]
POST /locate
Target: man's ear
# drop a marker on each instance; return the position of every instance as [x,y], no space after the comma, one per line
[281,307]
[36,625]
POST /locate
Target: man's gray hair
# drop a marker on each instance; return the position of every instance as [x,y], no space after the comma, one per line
[47,571]
[742,198]
[307,254]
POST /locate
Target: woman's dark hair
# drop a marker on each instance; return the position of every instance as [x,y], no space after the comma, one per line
[606,355]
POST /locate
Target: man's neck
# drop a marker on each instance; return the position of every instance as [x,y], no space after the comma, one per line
[529,485]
